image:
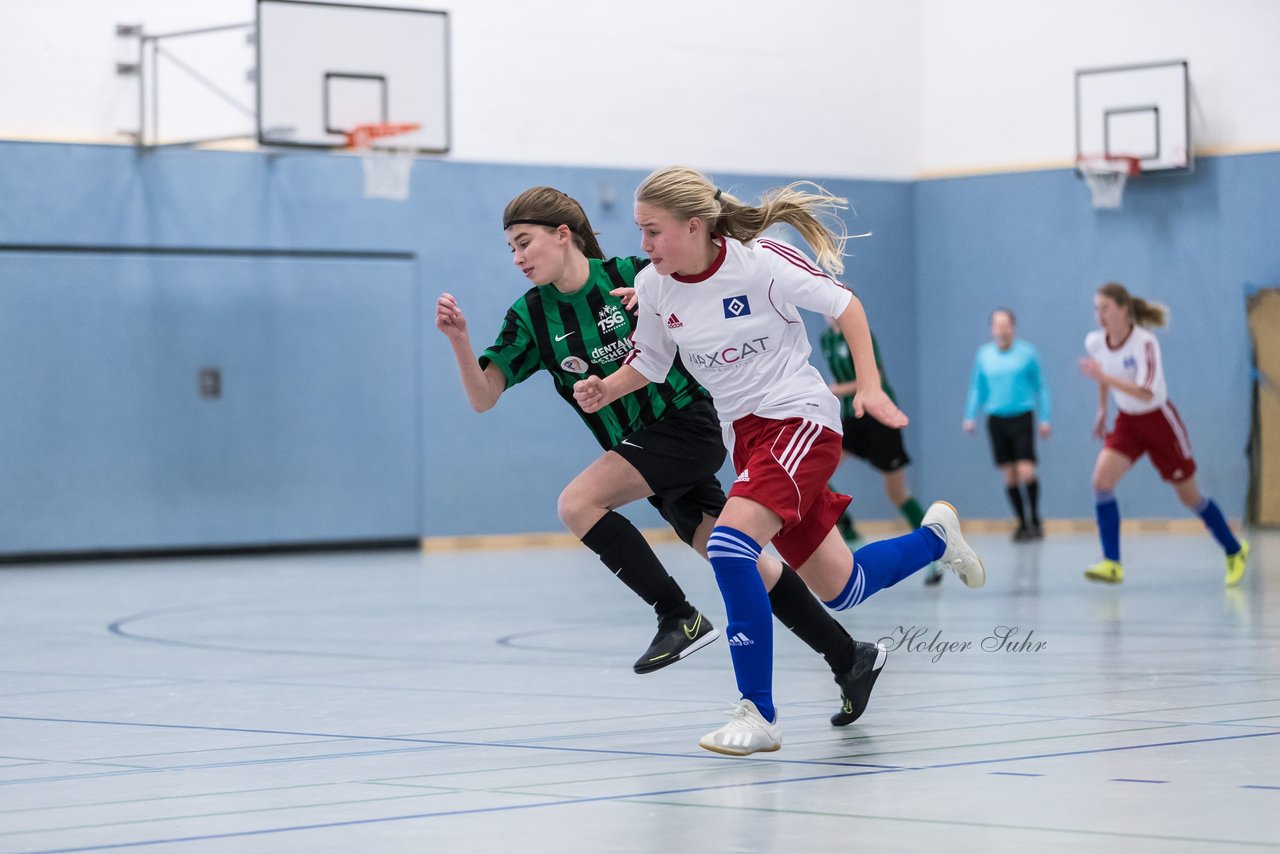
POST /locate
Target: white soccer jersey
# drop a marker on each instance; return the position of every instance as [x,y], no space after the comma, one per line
[739,332]
[1137,360]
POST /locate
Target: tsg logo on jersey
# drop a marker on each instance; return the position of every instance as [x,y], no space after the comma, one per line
[736,307]
[610,318]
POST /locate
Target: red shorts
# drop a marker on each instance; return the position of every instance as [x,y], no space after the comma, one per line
[785,466]
[1159,433]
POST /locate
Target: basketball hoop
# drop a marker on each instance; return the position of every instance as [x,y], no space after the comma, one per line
[1106,176]
[387,168]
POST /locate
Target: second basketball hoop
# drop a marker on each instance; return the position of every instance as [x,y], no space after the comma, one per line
[387,167]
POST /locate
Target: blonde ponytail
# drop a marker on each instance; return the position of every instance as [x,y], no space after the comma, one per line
[805,206]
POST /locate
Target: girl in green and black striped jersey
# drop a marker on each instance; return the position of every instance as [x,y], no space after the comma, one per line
[662,443]
[868,439]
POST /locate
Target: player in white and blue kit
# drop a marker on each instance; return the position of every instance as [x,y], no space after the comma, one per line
[1124,358]
[728,300]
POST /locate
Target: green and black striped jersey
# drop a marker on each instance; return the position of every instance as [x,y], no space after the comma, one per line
[840,360]
[583,333]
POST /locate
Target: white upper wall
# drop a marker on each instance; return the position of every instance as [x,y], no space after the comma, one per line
[822,89]
[841,88]
[998,76]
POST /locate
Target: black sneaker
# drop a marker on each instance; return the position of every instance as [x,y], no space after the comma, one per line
[676,638]
[1022,535]
[857,682]
[1036,531]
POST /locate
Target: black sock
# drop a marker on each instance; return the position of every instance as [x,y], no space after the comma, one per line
[1015,498]
[1033,499]
[801,612]
[625,551]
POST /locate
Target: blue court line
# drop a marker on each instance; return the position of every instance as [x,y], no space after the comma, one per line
[381,738]
[1088,751]
[1135,780]
[567,802]
[577,801]
[450,813]
[1013,774]
[1254,786]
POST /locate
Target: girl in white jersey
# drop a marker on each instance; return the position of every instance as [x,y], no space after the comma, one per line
[727,300]
[1125,357]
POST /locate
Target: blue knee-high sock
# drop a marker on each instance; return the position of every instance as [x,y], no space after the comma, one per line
[1108,523]
[733,558]
[1217,525]
[883,564]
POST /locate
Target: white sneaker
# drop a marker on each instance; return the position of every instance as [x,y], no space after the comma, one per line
[746,732]
[959,556]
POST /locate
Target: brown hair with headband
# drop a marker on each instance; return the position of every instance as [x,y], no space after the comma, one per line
[548,207]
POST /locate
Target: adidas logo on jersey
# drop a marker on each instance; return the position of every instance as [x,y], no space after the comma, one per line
[744,477]
[673,322]
[741,640]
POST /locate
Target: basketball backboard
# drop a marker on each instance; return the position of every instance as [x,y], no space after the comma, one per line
[324,68]
[1140,111]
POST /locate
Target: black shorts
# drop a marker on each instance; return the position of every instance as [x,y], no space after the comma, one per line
[680,456]
[1013,438]
[868,439]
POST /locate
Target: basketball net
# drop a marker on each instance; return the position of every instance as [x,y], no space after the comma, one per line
[387,169]
[1106,176]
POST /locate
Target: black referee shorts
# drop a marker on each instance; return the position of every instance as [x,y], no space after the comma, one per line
[1013,437]
[679,456]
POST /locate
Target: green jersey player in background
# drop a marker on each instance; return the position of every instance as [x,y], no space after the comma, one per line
[868,439]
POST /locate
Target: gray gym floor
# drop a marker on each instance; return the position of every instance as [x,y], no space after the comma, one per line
[484,701]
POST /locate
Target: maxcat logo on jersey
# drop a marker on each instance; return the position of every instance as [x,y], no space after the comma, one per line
[611,352]
[574,365]
[729,356]
[736,306]
[610,318]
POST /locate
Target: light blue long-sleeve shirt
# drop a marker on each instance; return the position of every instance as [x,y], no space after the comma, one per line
[1007,382]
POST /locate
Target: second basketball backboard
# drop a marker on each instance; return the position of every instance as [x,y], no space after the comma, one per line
[325,68]
[1140,111]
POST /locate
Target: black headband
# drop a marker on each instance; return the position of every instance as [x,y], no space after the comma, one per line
[548,223]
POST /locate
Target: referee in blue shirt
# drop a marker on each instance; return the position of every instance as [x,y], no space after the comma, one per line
[1008,386]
